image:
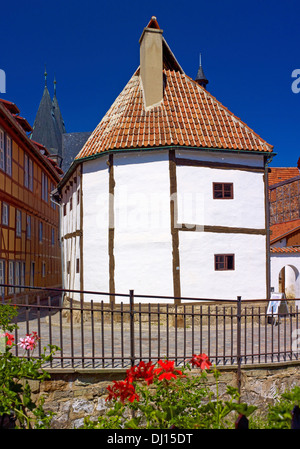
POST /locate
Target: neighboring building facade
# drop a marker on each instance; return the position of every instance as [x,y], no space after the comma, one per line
[30,251]
[284,193]
[169,195]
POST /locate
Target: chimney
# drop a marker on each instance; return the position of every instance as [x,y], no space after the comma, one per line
[151,63]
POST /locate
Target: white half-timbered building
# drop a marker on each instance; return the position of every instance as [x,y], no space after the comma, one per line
[169,194]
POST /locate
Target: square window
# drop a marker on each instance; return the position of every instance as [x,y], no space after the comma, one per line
[223,190]
[224,262]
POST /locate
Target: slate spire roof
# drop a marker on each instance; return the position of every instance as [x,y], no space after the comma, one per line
[48,126]
[187,116]
[57,113]
[201,78]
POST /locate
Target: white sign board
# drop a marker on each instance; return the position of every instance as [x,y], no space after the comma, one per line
[276,306]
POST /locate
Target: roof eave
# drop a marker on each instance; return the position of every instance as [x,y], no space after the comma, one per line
[269,154]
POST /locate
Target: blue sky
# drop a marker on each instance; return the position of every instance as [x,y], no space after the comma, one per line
[249,51]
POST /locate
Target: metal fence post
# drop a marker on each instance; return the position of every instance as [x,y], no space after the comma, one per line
[238,343]
[131,304]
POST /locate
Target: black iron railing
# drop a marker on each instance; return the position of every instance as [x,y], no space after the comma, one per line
[102,334]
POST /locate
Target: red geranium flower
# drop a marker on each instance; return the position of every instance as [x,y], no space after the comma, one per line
[122,390]
[201,361]
[141,371]
[9,339]
[167,370]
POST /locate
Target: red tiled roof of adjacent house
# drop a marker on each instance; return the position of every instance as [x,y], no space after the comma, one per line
[188,116]
[280,230]
[280,174]
[286,249]
[8,111]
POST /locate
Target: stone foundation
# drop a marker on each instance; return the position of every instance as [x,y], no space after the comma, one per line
[75,394]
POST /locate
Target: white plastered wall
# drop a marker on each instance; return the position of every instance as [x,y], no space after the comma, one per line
[70,223]
[195,193]
[142,241]
[197,270]
[142,237]
[95,184]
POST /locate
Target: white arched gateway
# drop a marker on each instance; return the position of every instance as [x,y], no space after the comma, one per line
[285,271]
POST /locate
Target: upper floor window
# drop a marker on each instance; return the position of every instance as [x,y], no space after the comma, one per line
[43,270]
[28,226]
[40,232]
[223,190]
[5,152]
[53,205]
[44,187]
[5,214]
[224,262]
[8,155]
[2,150]
[28,172]
[18,223]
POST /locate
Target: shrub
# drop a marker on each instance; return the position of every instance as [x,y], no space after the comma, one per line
[160,396]
[16,403]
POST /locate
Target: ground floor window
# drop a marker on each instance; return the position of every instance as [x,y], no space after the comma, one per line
[11,276]
[2,276]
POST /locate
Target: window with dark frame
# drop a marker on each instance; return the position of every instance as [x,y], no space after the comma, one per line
[223,190]
[18,223]
[224,262]
[5,214]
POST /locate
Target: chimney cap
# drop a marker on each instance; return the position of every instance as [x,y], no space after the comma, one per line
[151,27]
[153,23]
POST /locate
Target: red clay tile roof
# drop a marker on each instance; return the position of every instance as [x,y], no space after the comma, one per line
[286,249]
[280,174]
[280,230]
[188,116]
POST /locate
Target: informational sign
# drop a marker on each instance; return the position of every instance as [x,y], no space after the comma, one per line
[277,307]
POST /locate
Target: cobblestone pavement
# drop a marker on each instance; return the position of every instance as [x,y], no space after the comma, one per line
[259,344]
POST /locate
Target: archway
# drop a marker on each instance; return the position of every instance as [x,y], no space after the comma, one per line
[288,281]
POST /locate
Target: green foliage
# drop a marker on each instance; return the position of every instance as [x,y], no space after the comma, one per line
[15,372]
[280,414]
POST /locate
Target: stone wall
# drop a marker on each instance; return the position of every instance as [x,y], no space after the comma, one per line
[72,395]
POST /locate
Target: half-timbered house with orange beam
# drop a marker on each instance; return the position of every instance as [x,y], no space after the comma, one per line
[29,237]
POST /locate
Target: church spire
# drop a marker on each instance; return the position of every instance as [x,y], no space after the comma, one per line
[54,86]
[45,75]
[56,111]
[45,128]
[201,78]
